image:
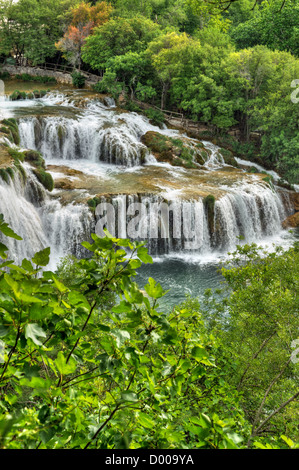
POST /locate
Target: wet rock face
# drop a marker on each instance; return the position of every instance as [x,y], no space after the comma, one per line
[295,201]
[291,221]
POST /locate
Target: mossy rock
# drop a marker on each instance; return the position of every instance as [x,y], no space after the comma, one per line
[209,204]
[4,175]
[269,180]
[16,155]
[93,203]
[285,185]
[10,128]
[171,150]
[35,158]
[45,179]
[228,157]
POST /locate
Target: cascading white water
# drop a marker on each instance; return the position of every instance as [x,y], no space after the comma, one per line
[86,138]
[98,133]
[23,217]
[66,228]
[252,212]
[40,221]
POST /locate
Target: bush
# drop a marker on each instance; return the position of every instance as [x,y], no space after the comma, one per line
[25,77]
[78,79]
[156,117]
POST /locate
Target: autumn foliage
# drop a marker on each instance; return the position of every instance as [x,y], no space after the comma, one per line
[83,19]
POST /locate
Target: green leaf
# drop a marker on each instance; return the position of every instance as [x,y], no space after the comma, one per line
[36,382]
[28,299]
[129,396]
[64,367]
[6,230]
[27,265]
[46,435]
[145,421]
[198,353]
[154,289]
[143,255]
[34,331]
[121,336]
[59,285]
[42,258]
[3,249]
[38,312]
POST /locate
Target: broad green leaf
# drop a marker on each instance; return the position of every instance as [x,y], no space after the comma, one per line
[34,332]
[3,250]
[28,299]
[121,336]
[64,367]
[154,289]
[198,353]
[42,258]
[145,421]
[59,285]
[129,396]
[27,265]
[6,230]
[143,255]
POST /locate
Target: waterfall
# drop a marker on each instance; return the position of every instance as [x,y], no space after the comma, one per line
[23,217]
[88,138]
[249,209]
[41,221]
[252,212]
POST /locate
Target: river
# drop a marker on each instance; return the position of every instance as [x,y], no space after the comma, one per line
[94,150]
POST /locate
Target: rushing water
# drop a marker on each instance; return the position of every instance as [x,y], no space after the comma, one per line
[98,150]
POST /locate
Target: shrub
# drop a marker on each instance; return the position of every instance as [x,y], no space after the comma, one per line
[156,117]
[78,79]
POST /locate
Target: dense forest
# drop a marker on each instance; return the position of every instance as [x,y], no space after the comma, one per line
[87,358]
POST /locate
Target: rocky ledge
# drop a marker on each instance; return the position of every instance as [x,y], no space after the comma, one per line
[293,220]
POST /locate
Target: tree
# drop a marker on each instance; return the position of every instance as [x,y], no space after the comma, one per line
[29,28]
[169,54]
[260,80]
[118,37]
[274,30]
[84,18]
[263,309]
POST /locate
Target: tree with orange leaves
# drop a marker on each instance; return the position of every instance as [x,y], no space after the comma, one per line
[83,19]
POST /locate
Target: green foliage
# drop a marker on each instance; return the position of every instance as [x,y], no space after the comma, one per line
[156,117]
[30,28]
[117,37]
[263,322]
[4,75]
[44,178]
[34,158]
[271,27]
[22,95]
[25,77]
[10,127]
[79,375]
[109,84]
[78,79]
